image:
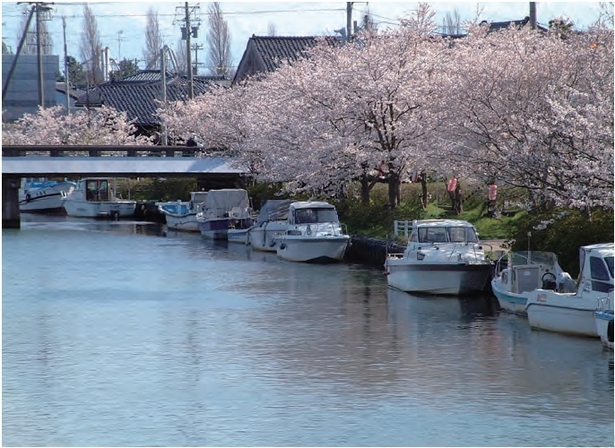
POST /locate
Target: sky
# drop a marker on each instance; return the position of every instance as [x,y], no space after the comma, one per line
[121,25]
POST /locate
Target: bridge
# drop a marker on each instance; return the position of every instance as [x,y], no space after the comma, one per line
[105,161]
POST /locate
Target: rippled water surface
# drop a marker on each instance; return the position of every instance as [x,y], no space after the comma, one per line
[118,334]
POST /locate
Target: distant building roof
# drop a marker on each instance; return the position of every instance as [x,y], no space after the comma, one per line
[265,54]
[493,26]
[138,95]
[72,92]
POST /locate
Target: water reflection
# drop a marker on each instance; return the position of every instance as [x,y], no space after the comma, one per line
[136,336]
[514,367]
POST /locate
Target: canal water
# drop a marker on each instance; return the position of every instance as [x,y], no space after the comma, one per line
[119,334]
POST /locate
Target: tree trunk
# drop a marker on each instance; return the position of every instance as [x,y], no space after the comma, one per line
[365,189]
[458,200]
[425,193]
[394,190]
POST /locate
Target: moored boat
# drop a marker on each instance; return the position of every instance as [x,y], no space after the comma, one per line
[313,234]
[222,210]
[574,312]
[96,197]
[181,215]
[270,223]
[517,273]
[443,257]
[604,321]
[44,196]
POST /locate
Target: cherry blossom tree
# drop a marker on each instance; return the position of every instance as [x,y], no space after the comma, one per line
[517,106]
[536,111]
[51,126]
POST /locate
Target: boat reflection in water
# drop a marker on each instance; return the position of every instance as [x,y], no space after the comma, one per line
[495,362]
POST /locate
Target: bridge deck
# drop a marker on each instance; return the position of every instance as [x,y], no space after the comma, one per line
[84,166]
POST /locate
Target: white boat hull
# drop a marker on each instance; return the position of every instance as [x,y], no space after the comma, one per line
[508,301]
[264,237]
[45,199]
[562,313]
[312,249]
[437,279]
[186,223]
[240,236]
[604,328]
[105,209]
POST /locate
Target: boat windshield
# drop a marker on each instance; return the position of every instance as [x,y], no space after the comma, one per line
[315,215]
[601,268]
[447,235]
[532,257]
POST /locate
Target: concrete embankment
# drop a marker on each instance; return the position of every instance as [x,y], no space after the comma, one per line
[370,251]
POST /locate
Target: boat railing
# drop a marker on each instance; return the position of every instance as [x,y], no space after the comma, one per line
[604,304]
[464,247]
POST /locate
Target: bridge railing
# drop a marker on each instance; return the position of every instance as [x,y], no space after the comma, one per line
[99,151]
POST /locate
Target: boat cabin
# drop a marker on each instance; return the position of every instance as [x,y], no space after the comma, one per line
[596,262]
[443,231]
[312,213]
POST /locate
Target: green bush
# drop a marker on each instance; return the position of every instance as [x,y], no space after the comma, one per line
[566,231]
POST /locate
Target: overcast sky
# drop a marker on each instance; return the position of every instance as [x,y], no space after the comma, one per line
[122,24]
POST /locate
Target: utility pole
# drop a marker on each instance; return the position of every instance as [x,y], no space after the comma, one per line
[5,87]
[188,34]
[119,42]
[196,48]
[39,53]
[66,83]
[348,20]
[533,15]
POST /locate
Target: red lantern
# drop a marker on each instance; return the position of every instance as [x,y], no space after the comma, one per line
[493,192]
[452,184]
[415,177]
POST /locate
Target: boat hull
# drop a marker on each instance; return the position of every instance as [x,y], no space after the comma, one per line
[186,223]
[47,199]
[100,210]
[604,328]
[509,301]
[329,249]
[264,238]
[437,279]
[217,229]
[240,236]
[562,313]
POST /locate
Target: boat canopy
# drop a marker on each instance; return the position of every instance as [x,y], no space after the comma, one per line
[226,199]
[196,197]
[274,210]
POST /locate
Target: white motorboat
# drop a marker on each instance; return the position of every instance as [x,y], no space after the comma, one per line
[181,215]
[604,321]
[517,273]
[270,223]
[43,196]
[313,234]
[443,257]
[222,210]
[575,312]
[96,197]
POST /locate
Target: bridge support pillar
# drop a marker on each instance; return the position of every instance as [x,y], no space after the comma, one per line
[10,203]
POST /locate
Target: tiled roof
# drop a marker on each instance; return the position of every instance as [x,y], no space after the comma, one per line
[493,26]
[274,49]
[138,98]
